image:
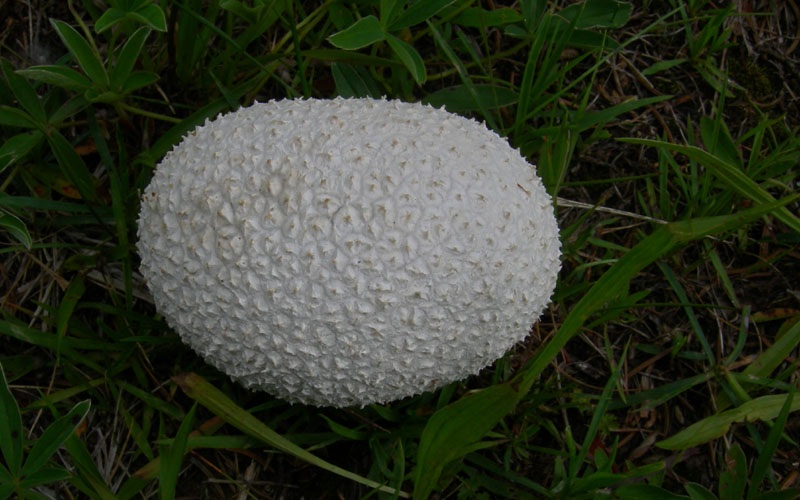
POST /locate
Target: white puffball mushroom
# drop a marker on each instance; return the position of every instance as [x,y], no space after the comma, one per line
[348,251]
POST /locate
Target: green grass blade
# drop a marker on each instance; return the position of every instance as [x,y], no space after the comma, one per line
[769,360]
[72,165]
[683,299]
[172,459]
[16,227]
[214,400]
[72,295]
[763,408]
[767,453]
[54,436]
[732,176]
[10,427]
[463,74]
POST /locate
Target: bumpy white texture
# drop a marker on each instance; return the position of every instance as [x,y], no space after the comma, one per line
[349,251]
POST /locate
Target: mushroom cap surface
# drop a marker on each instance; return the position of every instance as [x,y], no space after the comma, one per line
[348,251]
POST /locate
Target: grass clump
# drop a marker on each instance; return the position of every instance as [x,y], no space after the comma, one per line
[665,367]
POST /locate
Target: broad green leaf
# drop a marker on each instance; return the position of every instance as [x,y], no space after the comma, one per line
[14,117]
[718,141]
[16,147]
[459,99]
[53,437]
[698,492]
[72,165]
[137,80]
[363,32]
[733,480]
[25,94]
[732,176]
[453,431]
[171,462]
[14,225]
[108,19]
[221,405]
[60,76]
[763,408]
[10,427]
[598,13]
[86,58]
[152,16]
[410,57]
[127,57]
[418,12]
[389,10]
[476,17]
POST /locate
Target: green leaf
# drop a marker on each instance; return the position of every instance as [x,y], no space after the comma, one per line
[14,117]
[72,165]
[87,59]
[590,119]
[732,176]
[767,453]
[16,147]
[54,436]
[171,461]
[25,94]
[763,408]
[598,13]
[363,32]
[350,82]
[645,492]
[476,17]
[45,475]
[453,431]
[458,99]
[698,492]
[60,76]
[108,19]
[733,480]
[16,227]
[152,16]
[417,13]
[72,296]
[10,427]
[221,405]
[409,56]
[718,141]
[137,80]
[127,57]
[662,66]
[769,359]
